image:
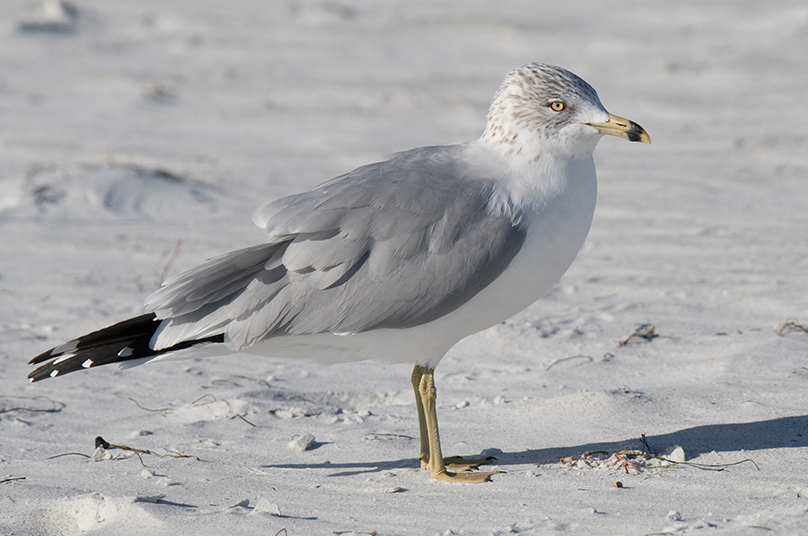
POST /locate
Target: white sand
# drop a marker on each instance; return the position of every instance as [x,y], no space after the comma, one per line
[702,234]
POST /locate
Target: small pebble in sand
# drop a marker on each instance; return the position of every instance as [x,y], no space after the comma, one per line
[302,443]
[265,506]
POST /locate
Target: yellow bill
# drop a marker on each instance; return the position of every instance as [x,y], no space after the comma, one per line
[622,128]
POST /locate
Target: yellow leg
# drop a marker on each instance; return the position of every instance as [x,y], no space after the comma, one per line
[423,456]
[428,422]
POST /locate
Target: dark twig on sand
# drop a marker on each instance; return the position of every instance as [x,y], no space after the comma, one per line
[644,331]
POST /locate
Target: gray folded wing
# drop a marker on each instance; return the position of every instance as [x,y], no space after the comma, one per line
[390,245]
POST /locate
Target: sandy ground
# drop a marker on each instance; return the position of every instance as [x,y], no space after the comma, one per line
[137,137]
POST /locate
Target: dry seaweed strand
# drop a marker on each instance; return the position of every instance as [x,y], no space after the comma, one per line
[101,442]
[211,399]
[68,454]
[370,437]
[644,331]
[625,464]
[562,359]
[28,330]
[791,326]
[12,479]
[645,444]
[196,403]
[199,401]
[106,445]
[56,407]
[163,410]
[173,257]
[175,454]
[259,381]
[223,381]
[244,419]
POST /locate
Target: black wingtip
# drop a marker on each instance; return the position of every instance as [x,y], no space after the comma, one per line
[44,356]
[125,341]
[97,348]
[38,375]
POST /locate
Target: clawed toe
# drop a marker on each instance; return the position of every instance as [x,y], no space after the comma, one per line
[468,478]
[458,463]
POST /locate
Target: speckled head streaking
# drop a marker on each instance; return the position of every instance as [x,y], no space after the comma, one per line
[542,108]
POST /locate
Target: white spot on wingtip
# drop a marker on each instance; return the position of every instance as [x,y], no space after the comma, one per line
[63,358]
[54,373]
[87,364]
[67,348]
[126,352]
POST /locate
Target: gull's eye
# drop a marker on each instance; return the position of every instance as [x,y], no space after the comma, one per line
[557,106]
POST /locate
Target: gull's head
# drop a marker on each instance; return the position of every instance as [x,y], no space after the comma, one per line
[544,110]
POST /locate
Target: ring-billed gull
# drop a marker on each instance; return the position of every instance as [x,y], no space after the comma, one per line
[395,261]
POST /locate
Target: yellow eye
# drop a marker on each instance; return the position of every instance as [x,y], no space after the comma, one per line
[557,106]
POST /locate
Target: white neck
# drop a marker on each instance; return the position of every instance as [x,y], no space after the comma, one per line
[527,182]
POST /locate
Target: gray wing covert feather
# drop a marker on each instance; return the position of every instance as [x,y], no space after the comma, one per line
[389,245]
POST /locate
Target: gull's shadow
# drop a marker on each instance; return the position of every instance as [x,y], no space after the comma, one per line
[784,432]
[351,468]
